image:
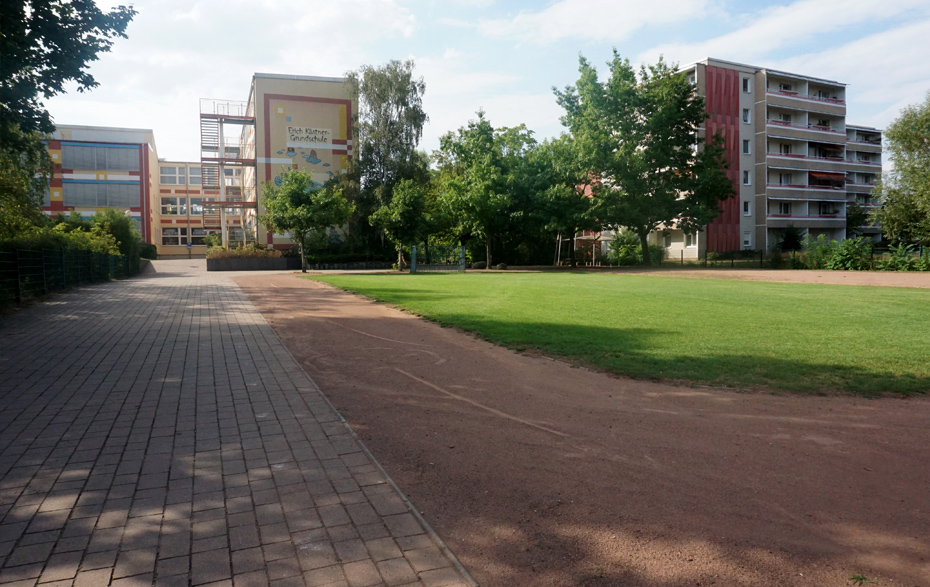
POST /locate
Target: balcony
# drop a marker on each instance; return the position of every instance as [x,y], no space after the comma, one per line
[812,98]
[806,127]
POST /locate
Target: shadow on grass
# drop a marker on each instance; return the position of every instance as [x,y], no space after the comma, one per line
[644,352]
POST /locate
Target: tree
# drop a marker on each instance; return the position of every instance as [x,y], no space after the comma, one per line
[25,170]
[639,134]
[46,44]
[387,130]
[120,226]
[567,203]
[904,192]
[404,219]
[472,181]
[300,208]
[856,218]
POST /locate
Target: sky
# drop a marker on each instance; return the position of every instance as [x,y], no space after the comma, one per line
[504,57]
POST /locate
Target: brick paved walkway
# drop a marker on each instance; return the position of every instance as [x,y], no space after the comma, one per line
[156,431]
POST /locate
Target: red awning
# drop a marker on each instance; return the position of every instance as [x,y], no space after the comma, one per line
[823,175]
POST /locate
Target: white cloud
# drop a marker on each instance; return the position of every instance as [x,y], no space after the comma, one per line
[885,71]
[600,20]
[783,27]
[181,50]
[454,93]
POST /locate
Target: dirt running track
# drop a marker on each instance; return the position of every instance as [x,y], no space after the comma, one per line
[537,474]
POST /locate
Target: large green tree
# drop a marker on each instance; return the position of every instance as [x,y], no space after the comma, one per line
[387,130]
[487,180]
[301,208]
[567,204]
[639,134]
[44,45]
[404,220]
[904,191]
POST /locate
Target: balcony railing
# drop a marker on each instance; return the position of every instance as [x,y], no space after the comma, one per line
[234,108]
[791,94]
[799,156]
[776,122]
[836,216]
[804,187]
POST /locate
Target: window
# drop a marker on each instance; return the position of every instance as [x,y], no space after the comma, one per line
[100,158]
[170,206]
[784,208]
[746,115]
[691,79]
[827,209]
[784,148]
[823,122]
[747,240]
[668,241]
[746,179]
[197,235]
[784,117]
[690,240]
[174,236]
[195,176]
[746,87]
[101,194]
[746,209]
[196,206]
[746,147]
[784,87]
[784,179]
[173,175]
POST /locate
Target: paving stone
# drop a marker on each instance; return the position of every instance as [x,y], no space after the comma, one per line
[176,442]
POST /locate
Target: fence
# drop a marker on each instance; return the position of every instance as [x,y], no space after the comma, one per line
[438,258]
[26,274]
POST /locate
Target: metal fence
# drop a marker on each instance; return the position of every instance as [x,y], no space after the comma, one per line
[436,258]
[27,274]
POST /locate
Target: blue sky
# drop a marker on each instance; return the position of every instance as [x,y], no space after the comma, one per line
[504,57]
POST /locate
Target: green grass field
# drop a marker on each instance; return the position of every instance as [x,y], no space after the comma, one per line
[798,337]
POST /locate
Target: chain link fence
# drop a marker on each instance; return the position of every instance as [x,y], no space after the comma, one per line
[28,274]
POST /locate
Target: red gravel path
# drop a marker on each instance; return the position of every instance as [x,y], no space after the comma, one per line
[537,473]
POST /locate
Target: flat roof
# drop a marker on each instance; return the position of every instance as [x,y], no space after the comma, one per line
[767,70]
[306,78]
[110,128]
[858,127]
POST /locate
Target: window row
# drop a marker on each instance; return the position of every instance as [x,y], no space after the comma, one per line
[180,236]
[100,158]
[101,195]
[176,175]
[179,206]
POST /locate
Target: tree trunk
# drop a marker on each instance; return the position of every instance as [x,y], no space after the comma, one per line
[487,251]
[303,258]
[400,257]
[644,243]
[572,253]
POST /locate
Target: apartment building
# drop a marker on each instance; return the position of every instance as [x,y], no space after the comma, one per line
[794,160]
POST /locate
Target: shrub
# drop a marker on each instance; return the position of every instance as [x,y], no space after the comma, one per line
[502,266]
[149,251]
[852,254]
[625,250]
[818,251]
[213,240]
[250,251]
[776,260]
[479,265]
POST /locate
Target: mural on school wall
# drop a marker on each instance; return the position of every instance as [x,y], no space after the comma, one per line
[310,136]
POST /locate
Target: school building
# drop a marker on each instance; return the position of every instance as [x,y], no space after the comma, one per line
[287,122]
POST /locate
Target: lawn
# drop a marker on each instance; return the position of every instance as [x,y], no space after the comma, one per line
[797,337]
